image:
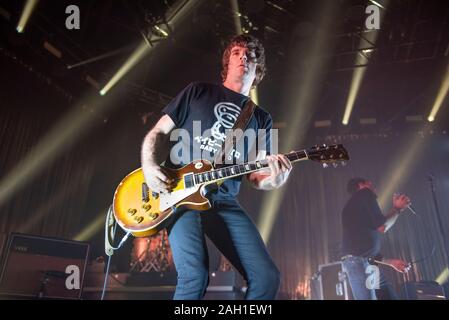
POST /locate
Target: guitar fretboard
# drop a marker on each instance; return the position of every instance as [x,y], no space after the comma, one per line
[236,170]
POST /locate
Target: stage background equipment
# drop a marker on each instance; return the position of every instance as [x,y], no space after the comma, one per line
[39,267]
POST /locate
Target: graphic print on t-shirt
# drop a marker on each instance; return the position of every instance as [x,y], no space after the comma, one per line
[226,114]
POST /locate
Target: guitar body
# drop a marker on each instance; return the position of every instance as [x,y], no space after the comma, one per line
[139,211]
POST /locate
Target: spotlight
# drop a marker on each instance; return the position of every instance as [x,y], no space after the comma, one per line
[26,14]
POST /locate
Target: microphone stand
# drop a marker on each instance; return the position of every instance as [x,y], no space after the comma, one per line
[440,222]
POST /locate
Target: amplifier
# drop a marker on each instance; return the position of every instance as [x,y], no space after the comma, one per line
[423,290]
[39,267]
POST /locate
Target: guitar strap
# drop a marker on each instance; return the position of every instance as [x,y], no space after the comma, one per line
[234,136]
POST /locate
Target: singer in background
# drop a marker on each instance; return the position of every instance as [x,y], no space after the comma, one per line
[363,225]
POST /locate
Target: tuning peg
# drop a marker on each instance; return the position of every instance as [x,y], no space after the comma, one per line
[343,163]
[325,165]
[335,164]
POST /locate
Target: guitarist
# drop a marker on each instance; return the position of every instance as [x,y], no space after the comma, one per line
[363,224]
[216,107]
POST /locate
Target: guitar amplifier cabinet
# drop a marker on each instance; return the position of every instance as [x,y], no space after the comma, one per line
[423,290]
[330,283]
[39,267]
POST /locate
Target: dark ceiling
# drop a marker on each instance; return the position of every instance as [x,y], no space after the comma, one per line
[412,47]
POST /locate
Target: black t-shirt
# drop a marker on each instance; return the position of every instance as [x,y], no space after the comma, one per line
[203,111]
[360,219]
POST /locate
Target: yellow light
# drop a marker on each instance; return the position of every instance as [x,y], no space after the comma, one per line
[135,58]
[443,277]
[237,15]
[26,14]
[399,171]
[442,93]
[377,4]
[270,205]
[92,229]
[254,96]
[174,17]
[357,79]
[361,60]
[179,11]
[300,115]
[163,32]
[59,137]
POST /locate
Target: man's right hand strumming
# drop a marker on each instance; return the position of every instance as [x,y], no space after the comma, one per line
[156,179]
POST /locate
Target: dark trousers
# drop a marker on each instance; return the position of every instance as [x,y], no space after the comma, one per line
[235,235]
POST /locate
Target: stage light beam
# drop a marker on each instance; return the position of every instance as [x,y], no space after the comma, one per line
[301,113]
[443,277]
[366,47]
[92,229]
[236,15]
[30,5]
[253,94]
[59,137]
[400,170]
[442,94]
[357,80]
[174,17]
[377,4]
[141,51]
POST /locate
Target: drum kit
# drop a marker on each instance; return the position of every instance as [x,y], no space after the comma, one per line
[152,254]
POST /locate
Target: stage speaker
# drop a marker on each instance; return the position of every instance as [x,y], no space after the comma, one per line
[423,290]
[43,268]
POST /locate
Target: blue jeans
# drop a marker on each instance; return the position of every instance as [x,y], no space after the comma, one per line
[235,235]
[355,269]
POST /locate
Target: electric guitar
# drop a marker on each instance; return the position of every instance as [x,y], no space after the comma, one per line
[140,211]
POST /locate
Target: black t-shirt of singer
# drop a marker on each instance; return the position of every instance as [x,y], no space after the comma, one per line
[205,111]
[361,218]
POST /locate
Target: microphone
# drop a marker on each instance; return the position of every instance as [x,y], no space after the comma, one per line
[412,209]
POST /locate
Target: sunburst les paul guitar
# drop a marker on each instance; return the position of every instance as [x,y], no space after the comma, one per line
[140,211]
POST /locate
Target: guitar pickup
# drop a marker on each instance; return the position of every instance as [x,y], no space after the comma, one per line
[145,192]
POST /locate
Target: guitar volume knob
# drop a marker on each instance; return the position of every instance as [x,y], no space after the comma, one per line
[138,219]
[153,215]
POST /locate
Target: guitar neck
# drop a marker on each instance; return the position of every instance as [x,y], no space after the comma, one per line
[239,169]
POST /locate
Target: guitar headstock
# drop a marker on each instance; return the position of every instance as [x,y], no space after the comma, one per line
[328,154]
